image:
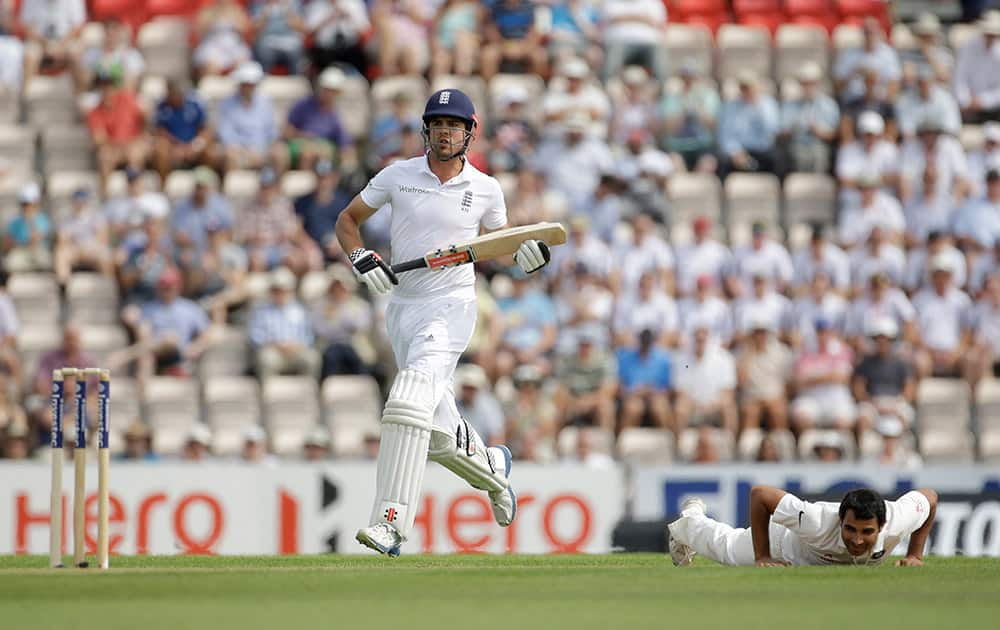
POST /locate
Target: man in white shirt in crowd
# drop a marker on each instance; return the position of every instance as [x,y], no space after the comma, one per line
[762,304]
[942,316]
[704,256]
[977,224]
[764,256]
[933,149]
[875,53]
[577,95]
[872,153]
[881,300]
[986,159]
[875,208]
[986,331]
[918,264]
[785,530]
[634,28]
[706,309]
[927,99]
[821,256]
[877,256]
[647,252]
[706,385]
[820,302]
[821,376]
[977,83]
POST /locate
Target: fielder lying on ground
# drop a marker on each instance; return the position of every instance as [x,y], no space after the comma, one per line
[785,530]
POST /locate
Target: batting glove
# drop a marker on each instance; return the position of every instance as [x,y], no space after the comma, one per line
[532,255]
[372,270]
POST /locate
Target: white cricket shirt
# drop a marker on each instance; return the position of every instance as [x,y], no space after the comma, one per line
[816,529]
[427,215]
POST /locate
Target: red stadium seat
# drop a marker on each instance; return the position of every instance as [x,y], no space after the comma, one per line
[766,13]
[183,8]
[818,12]
[709,13]
[855,11]
[128,11]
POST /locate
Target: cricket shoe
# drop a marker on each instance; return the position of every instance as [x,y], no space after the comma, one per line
[504,501]
[382,537]
[681,554]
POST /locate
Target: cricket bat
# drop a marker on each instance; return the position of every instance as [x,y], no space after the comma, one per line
[485,247]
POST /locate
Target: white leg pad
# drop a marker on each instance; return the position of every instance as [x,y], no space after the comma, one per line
[402,454]
[464,454]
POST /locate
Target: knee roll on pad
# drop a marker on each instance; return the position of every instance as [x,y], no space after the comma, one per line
[464,454]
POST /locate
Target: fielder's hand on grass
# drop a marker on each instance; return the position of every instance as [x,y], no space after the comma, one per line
[372,270]
[768,561]
[532,255]
[909,561]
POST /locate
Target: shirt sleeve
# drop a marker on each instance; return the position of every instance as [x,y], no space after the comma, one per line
[495,216]
[906,514]
[802,517]
[378,192]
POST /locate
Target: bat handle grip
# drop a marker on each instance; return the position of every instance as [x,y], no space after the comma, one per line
[409,265]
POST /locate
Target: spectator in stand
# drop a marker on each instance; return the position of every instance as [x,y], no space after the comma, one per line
[314,131]
[585,454]
[982,267]
[646,381]
[254,447]
[986,331]
[82,240]
[894,451]
[184,137]
[918,264]
[821,256]
[455,43]
[115,57]
[584,305]
[586,385]
[829,448]
[123,212]
[637,110]
[875,54]
[748,127]
[216,275]
[820,303]
[763,369]
[279,33]
[337,29]
[281,333]
[118,128]
[12,51]
[477,405]
[403,35]
[247,129]
[28,241]
[55,26]
[809,125]
[877,256]
[704,256]
[139,443]
[319,209]
[930,53]
[317,445]
[647,308]
[575,31]
[932,210]
[977,84]
[15,443]
[871,100]
[933,149]
[578,96]
[338,319]
[977,224]
[871,154]
[690,117]
[647,252]
[706,448]
[706,385]
[767,451]
[69,352]
[531,416]
[926,99]
[385,142]
[705,309]
[146,253]
[512,41]
[197,444]
[582,247]
[633,32]
[512,135]
[761,304]
[765,257]
[822,379]
[574,161]
[882,300]
[884,383]
[986,159]
[271,233]
[221,27]
[874,208]
[192,216]
[943,315]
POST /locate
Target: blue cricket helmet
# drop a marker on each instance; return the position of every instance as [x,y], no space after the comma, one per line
[453,103]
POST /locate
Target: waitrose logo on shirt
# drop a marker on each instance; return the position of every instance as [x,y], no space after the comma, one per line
[412,189]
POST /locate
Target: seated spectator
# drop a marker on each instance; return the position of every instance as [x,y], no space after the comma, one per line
[926,99]
[455,41]
[173,329]
[877,255]
[705,449]
[317,445]
[748,126]
[82,241]
[247,131]
[55,27]
[820,302]
[706,309]
[646,381]
[385,142]
[942,317]
[874,208]
[582,247]
[69,352]
[821,256]
[572,162]
[12,51]
[118,128]
[144,254]
[650,308]
[704,256]
[822,379]
[637,110]
[930,53]
[336,30]
[278,35]
[529,325]
[809,125]
[647,252]
[217,275]
[477,405]
[586,385]
[220,27]
[15,442]
[578,95]
[584,306]
[690,117]
[319,209]
[272,234]
[893,451]
[767,452]
[116,57]
[764,257]
[403,35]
[197,444]
[984,160]
[632,33]
[933,210]
[871,100]
[882,300]
[192,216]
[875,54]
[706,385]
[872,153]
[977,224]
[933,149]
[184,138]
[511,40]
[982,268]
[646,193]
[314,131]
[985,324]
[123,212]
[883,383]
[585,454]
[829,448]
[281,333]
[763,369]
[918,264]
[977,85]
[575,31]
[139,443]
[254,447]
[531,416]
[513,136]
[28,241]
[337,320]
[761,304]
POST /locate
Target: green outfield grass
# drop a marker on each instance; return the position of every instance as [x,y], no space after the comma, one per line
[483,592]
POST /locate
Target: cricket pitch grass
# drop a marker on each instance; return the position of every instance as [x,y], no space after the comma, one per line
[485,592]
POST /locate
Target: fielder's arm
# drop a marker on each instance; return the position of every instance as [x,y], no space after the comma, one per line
[348,227]
[763,502]
[915,552]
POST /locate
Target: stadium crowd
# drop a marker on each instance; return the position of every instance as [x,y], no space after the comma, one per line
[784,231]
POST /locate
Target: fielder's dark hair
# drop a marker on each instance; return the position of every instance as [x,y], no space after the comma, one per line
[865,504]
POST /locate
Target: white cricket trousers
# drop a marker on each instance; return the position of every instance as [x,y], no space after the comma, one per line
[431,337]
[726,544]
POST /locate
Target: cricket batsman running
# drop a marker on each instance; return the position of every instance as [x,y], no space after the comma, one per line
[435,199]
[785,530]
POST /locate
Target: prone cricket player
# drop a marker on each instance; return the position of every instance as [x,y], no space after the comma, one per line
[785,530]
[436,198]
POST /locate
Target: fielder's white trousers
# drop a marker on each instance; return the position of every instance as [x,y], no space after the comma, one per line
[730,545]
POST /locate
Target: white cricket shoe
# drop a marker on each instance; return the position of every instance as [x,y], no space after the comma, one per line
[504,502]
[382,537]
[681,554]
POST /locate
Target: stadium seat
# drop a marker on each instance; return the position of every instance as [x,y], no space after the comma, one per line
[855,11]
[50,100]
[256,284]
[67,148]
[11,183]
[61,185]
[240,187]
[17,145]
[748,444]
[158,40]
[172,409]
[797,44]
[100,340]
[291,409]
[179,184]
[352,406]
[117,185]
[643,446]
[354,108]
[34,339]
[693,195]
[817,12]
[751,197]
[152,90]
[988,419]
[809,198]
[943,403]
[35,297]
[181,8]
[124,408]
[213,89]
[765,13]
[601,441]
[939,446]
[721,438]
[227,355]
[711,14]
[730,88]
[743,49]
[232,403]
[91,298]
[686,43]
[284,91]
[810,437]
[961,34]
[313,286]
[295,184]
[847,36]
[902,38]
[972,138]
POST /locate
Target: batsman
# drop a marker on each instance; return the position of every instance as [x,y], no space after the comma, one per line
[435,199]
